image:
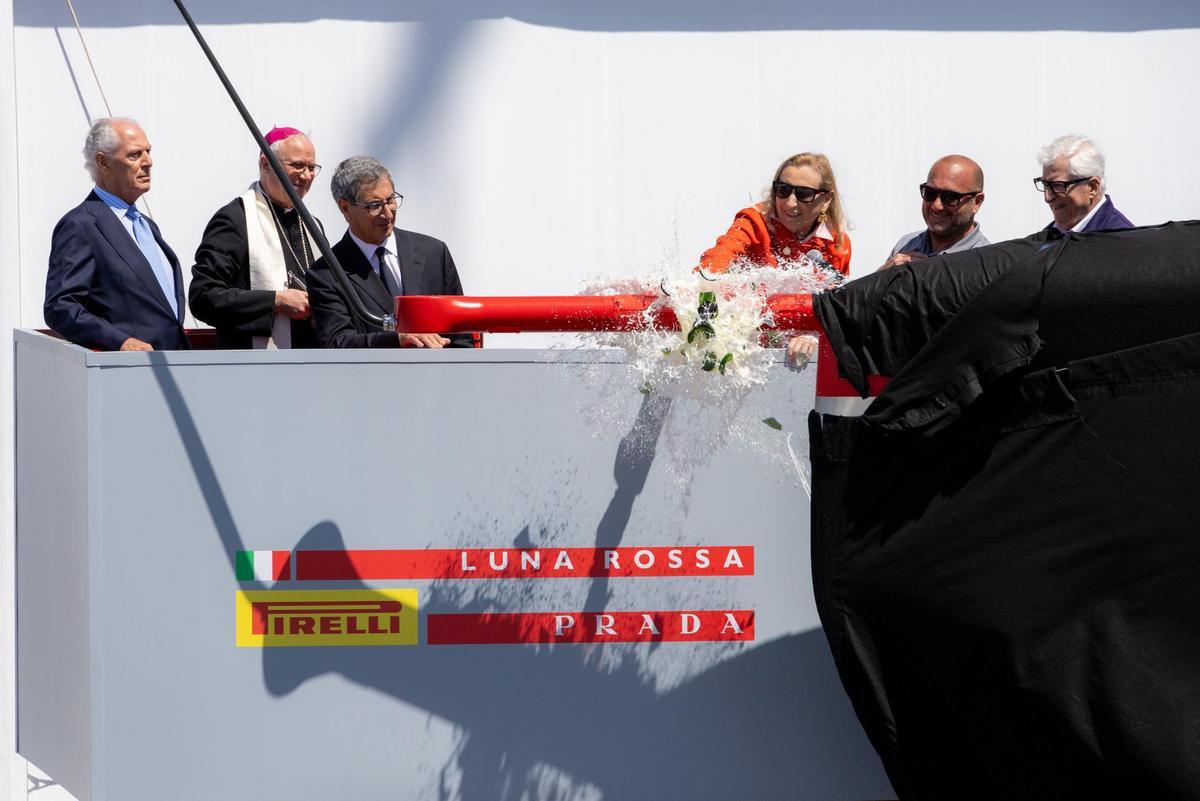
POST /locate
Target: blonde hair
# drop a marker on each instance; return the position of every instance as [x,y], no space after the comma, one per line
[835,215]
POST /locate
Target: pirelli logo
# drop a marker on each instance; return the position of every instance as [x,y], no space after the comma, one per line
[271,618]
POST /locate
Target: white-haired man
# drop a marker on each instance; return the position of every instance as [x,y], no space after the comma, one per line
[249,279]
[113,283]
[1073,185]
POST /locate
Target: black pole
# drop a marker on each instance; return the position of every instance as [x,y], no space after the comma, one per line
[387,322]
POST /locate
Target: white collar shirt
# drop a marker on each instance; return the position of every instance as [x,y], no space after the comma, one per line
[1079,226]
[390,262]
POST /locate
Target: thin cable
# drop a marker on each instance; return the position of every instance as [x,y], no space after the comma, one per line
[96,78]
[9,519]
[87,53]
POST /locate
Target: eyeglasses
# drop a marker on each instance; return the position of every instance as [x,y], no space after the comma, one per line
[303,166]
[376,206]
[1058,187]
[949,199]
[805,194]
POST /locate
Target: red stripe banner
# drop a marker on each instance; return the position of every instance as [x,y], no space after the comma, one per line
[524,563]
[590,627]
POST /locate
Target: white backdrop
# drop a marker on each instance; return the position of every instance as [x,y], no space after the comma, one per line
[549,142]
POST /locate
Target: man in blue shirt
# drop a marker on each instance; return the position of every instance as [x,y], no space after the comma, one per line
[113,283]
[950,198]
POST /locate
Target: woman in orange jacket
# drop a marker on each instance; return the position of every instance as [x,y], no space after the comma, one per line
[802,214]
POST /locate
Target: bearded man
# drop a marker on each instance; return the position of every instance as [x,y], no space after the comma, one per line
[950,198]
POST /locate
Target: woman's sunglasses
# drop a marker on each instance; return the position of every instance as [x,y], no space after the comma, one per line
[805,194]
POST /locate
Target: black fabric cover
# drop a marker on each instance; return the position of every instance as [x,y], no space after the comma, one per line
[946,326]
[1006,547]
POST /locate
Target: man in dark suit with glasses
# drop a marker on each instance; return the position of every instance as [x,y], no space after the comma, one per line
[1073,185]
[381,261]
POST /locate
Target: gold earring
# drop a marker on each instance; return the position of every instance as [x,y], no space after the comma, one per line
[822,216]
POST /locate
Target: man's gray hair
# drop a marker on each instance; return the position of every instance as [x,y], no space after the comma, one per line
[353,173]
[102,138]
[1084,158]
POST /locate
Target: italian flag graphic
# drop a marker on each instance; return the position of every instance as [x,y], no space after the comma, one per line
[264,565]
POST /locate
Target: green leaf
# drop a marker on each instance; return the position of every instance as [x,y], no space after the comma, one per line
[698,329]
[726,359]
[773,423]
[710,361]
[708,297]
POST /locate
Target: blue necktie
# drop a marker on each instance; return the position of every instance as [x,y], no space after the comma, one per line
[145,242]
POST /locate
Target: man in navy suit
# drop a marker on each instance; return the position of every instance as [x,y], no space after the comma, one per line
[1072,184]
[381,262]
[113,283]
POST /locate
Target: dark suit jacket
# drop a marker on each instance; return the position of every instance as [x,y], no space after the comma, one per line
[1107,218]
[220,292]
[426,268]
[100,290]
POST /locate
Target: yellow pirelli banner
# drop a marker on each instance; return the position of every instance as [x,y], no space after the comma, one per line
[269,618]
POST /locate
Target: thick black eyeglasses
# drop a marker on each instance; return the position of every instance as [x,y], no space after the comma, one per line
[805,194]
[376,206]
[949,199]
[1058,187]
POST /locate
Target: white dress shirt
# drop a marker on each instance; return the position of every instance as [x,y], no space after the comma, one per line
[1079,226]
[391,262]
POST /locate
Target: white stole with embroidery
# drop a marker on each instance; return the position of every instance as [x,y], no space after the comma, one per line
[268,270]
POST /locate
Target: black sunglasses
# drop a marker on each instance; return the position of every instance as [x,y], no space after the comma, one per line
[805,194]
[1058,187]
[949,199]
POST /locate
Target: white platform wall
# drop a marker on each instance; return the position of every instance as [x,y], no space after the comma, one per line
[550,142]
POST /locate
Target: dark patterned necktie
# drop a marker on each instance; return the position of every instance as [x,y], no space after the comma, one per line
[384,271]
